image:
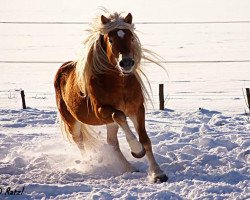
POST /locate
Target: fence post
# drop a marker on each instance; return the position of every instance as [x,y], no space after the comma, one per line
[248,97]
[23,99]
[161,96]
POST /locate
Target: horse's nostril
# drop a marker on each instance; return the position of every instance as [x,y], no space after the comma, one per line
[127,63]
[132,62]
[121,63]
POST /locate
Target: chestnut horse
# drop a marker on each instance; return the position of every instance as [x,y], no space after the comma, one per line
[104,87]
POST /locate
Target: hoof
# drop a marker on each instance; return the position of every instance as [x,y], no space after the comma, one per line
[160,178]
[139,155]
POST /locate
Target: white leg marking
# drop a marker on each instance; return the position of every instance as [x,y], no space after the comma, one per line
[112,139]
[134,144]
[112,134]
[77,128]
[77,135]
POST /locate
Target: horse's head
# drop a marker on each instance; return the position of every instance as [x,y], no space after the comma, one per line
[119,46]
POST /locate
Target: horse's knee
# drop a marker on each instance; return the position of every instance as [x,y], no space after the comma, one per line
[104,113]
[119,117]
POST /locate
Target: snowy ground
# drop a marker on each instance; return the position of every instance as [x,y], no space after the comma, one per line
[205,153]
[202,141]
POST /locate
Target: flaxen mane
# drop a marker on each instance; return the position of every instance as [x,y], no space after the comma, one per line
[93,59]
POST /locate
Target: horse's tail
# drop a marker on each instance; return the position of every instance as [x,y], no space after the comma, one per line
[73,129]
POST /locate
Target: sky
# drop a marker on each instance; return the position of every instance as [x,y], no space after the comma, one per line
[143,10]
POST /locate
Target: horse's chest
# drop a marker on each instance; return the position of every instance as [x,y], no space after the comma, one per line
[121,94]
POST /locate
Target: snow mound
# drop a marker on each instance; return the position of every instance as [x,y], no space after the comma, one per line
[27,117]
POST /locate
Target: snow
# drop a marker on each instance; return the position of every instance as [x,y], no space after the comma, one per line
[205,153]
[201,141]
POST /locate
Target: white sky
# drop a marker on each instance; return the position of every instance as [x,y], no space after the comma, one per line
[143,10]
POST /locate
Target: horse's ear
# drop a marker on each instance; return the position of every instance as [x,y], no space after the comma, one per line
[128,19]
[104,19]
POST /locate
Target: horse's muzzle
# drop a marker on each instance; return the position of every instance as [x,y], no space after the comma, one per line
[127,64]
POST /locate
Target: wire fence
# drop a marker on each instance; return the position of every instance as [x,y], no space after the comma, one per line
[15,94]
[144,23]
[162,62]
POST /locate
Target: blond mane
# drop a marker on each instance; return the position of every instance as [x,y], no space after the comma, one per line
[93,59]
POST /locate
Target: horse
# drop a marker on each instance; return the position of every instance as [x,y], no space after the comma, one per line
[104,87]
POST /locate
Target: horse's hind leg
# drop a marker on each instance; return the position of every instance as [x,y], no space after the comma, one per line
[71,126]
[77,135]
[112,140]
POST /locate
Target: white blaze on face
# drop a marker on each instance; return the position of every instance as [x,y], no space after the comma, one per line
[120,33]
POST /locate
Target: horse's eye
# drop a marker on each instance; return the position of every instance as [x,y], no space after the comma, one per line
[110,41]
[132,39]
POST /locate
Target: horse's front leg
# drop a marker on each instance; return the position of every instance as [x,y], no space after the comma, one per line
[108,115]
[112,140]
[155,173]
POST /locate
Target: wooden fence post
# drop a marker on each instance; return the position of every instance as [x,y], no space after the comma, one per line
[161,96]
[23,99]
[248,97]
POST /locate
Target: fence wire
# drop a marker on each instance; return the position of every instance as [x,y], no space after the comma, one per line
[143,23]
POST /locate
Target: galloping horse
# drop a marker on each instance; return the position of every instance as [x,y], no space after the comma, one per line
[104,87]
